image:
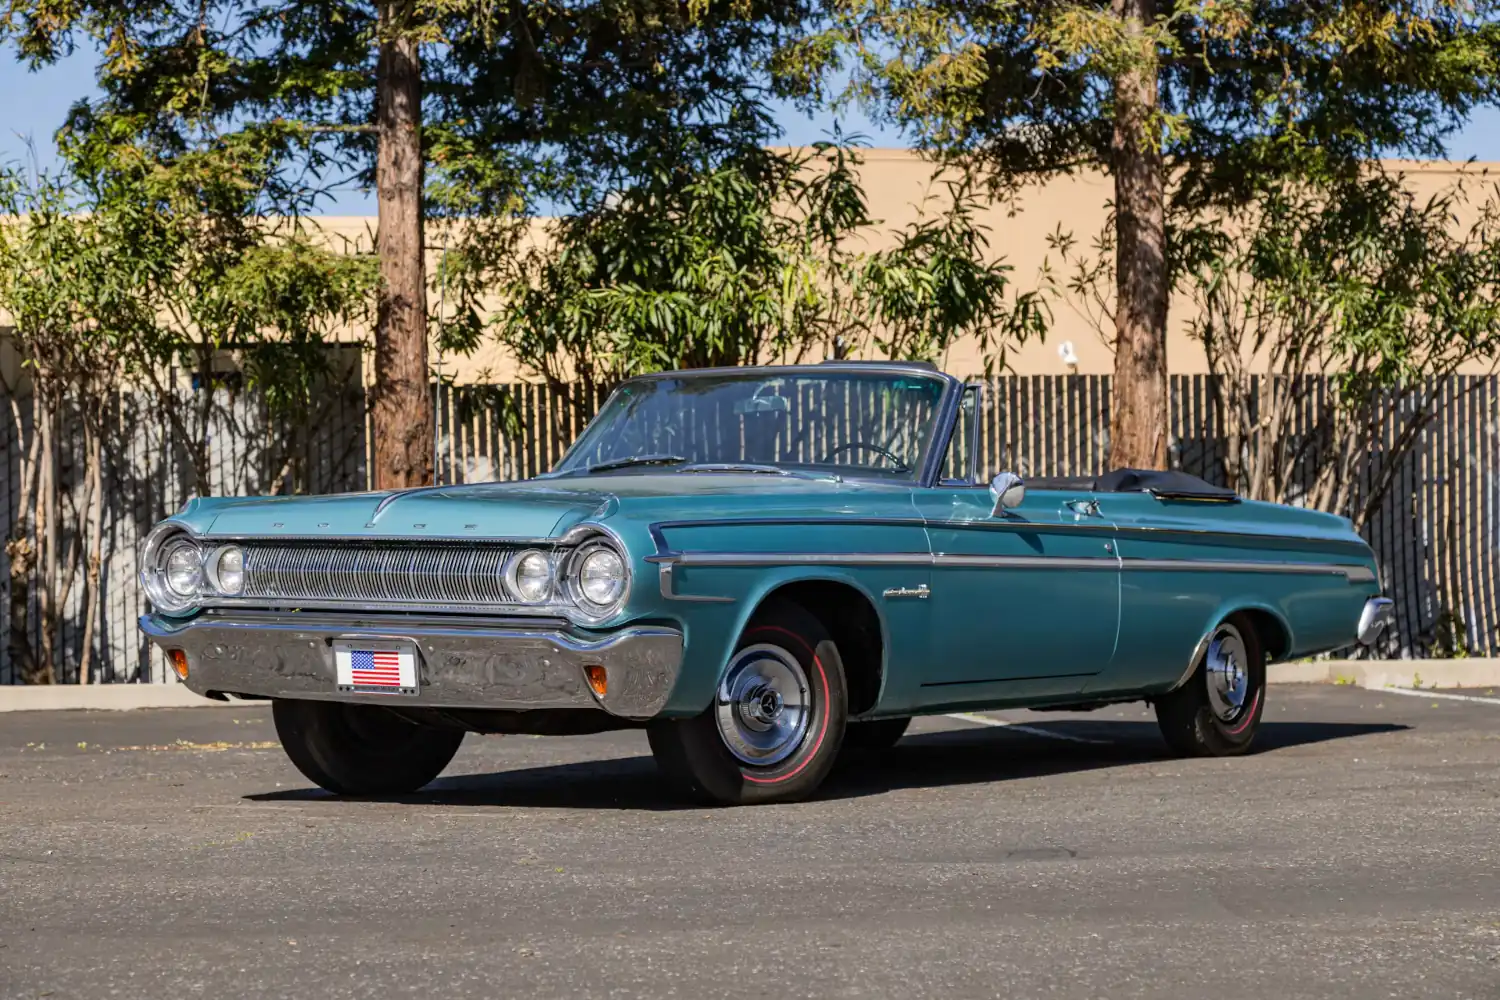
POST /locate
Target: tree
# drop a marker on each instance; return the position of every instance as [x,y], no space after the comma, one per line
[1359,302]
[74,308]
[1187,106]
[116,272]
[521,101]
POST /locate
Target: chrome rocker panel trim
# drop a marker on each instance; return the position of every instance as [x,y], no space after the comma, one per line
[462,664]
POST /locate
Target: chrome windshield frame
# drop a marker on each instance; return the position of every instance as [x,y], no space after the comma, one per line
[932,456]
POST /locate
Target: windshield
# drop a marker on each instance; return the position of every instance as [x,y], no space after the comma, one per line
[876,424]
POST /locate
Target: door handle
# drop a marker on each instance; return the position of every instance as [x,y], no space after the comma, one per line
[1083,508]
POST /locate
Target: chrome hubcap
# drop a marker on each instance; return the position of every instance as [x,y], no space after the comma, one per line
[1227,666]
[763,708]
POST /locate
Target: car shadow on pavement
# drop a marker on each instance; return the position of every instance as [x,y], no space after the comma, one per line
[921,760]
[950,758]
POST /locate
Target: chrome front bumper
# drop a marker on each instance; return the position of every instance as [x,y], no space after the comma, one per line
[467,663]
[1379,614]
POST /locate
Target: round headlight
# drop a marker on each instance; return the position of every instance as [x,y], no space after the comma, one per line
[531,576]
[229,570]
[601,577]
[184,570]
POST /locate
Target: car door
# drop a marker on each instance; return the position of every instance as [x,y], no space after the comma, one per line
[1023,603]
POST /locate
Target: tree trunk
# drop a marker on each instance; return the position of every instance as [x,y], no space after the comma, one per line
[47,539]
[403,410]
[21,550]
[93,537]
[1138,425]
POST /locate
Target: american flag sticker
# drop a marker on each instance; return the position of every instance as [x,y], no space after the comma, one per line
[376,668]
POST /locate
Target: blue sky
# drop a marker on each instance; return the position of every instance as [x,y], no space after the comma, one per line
[36,103]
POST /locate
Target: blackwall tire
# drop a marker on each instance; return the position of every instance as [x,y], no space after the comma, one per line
[777,722]
[1218,711]
[361,750]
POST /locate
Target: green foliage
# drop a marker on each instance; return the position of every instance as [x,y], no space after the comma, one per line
[715,265]
[936,286]
[1249,88]
[1358,278]
[749,258]
[72,297]
[520,102]
[130,265]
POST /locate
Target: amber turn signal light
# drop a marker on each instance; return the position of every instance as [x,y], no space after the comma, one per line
[179,663]
[597,679]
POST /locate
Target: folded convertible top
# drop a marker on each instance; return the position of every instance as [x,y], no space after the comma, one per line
[1164,485]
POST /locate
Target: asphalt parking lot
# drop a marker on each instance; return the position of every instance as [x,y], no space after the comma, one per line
[177,854]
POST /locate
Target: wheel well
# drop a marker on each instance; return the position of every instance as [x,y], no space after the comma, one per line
[1270,631]
[851,620]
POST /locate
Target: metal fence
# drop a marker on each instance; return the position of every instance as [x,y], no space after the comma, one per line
[1435,534]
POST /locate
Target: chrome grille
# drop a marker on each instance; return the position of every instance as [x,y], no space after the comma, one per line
[467,575]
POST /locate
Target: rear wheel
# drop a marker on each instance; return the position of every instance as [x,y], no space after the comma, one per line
[361,749]
[1217,712]
[774,729]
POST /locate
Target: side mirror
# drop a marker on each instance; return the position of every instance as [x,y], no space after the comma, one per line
[1009,490]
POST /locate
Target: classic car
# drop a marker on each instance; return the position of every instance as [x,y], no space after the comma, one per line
[766,569]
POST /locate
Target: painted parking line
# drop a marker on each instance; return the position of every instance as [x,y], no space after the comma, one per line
[1414,693]
[984,720]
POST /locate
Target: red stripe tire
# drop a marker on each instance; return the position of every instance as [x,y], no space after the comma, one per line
[778,718]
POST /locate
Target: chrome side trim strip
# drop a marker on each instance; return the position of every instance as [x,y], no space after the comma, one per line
[664,581]
[1354,574]
[940,559]
[986,524]
[802,558]
[667,560]
[1027,562]
[666,557]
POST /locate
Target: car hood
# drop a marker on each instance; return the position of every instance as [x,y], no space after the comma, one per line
[537,508]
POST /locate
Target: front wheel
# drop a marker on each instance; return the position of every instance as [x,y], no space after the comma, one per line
[1217,712]
[361,749]
[777,721]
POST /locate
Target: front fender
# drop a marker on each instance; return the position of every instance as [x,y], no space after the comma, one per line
[711,630]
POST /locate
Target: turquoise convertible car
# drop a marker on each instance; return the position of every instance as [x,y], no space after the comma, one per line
[761,567]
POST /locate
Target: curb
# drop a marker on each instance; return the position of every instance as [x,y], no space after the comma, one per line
[104,697]
[1466,673]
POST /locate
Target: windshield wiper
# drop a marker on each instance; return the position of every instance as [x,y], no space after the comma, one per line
[625,463]
[764,470]
[754,469]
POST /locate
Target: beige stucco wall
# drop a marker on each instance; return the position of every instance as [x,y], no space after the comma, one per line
[898,184]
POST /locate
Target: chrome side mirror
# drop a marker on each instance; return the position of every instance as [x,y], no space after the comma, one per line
[1009,490]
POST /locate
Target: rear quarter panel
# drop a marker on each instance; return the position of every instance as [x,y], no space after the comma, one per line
[1179,580]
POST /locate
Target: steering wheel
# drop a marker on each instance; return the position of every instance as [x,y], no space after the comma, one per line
[885,453]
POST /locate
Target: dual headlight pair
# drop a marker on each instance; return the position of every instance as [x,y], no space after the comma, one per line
[186,572]
[592,575]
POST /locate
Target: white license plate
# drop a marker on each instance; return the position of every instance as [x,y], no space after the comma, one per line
[376,666]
